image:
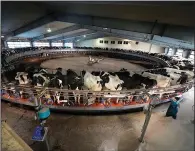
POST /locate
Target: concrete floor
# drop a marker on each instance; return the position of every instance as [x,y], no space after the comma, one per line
[11,141]
[80,63]
[110,132]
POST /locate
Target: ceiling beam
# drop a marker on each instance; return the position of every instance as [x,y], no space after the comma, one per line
[156,39]
[104,22]
[133,35]
[32,25]
[88,37]
[181,34]
[57,32]
[154,32]
[74,35]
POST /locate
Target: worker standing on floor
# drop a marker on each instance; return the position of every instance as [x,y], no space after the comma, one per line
[173,108]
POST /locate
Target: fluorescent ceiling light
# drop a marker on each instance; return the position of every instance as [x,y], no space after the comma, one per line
[84,36]
[105,28]
[49,30]
[2,36]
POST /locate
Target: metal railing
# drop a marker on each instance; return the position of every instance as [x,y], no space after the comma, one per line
[66,51]
[83,99]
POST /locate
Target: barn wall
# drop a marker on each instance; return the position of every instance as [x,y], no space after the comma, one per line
[131,45]
[157,49]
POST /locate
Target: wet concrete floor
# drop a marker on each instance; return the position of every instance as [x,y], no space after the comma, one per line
[109,132]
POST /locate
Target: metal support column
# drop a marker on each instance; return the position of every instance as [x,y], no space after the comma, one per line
[63,42]
[147,120]
[166,50]
[150,48]
[50,45]
[186,53]
[174,51]
[4,44]
[31,43]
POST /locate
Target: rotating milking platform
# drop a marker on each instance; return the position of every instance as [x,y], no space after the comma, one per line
[107,104]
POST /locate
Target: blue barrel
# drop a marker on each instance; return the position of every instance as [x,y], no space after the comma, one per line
[44,113]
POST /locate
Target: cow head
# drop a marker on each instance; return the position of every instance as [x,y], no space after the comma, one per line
[99,80]
[19,74]
[39,79]
[123,70]
[22,77]
[43,71]
[56,83]
[59,69]
[83,72]
[105,77]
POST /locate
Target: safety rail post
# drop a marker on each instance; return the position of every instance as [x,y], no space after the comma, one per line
[147,119]
[37,101]
[37,110]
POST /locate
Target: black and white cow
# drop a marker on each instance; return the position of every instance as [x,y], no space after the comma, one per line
[58,79]
[181,63]
[162,81]
[179,76]
[111,81]
[55,82]
[185,65]
[176,76]
[41,78]
[22,78]
[74,83]
[139,81]
[135,81]
[92,81]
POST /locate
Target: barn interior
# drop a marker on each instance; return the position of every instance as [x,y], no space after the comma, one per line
[152,27]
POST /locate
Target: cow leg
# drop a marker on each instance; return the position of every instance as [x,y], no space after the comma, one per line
[79,97]
[117,100]
[75,97]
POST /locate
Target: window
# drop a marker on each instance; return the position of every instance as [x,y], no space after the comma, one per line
[170,52]
[179,52]
[192,55]
[125,42]
[120,42]
[112,42]
[41,44]
[69,44]
[101,41]
[18,44]
[57,44]
[106,41]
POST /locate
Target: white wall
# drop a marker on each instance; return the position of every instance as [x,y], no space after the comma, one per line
[96,43]
[157,49]
[131,45]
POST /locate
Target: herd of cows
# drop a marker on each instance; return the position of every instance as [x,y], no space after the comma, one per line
[101,80]
[180,71]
